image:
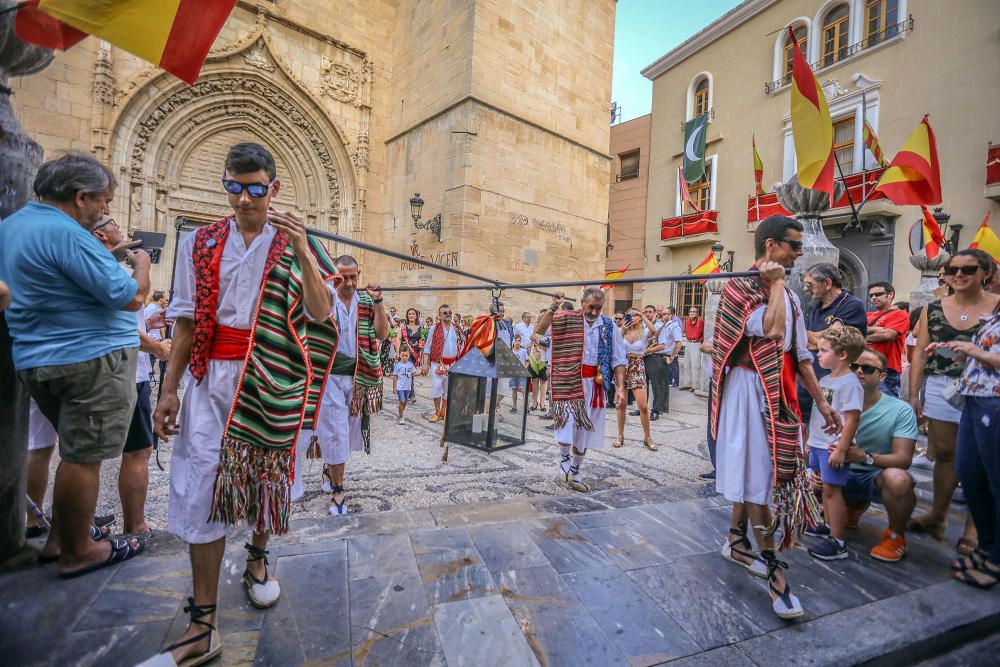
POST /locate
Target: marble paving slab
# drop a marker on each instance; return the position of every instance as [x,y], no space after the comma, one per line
[482,631]
[566,546]
[450,566]
[380,555]
[392,623]
[626,547]
[141,590]
[506,546]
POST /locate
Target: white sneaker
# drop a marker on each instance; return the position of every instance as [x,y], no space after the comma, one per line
[401,422]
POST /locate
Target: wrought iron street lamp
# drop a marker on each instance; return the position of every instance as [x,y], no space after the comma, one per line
[434,224]
[717,249]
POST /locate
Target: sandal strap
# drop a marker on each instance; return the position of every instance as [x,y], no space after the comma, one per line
[196,611]
[772,562]
[256,553]
[336,488]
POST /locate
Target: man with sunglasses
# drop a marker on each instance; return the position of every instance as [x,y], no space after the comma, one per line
[880,457]
[759,348]
[252,303]
[887,329]
[444,341]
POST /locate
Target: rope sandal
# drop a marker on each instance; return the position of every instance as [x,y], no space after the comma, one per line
[576,484]
[338,509]
[564,468]
[742,547]
[166,658]
[327,481]
[786,605]
[263,593]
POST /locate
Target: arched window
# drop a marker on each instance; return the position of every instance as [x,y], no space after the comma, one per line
[835,34]
[881,19]
[801,34]
[701,102]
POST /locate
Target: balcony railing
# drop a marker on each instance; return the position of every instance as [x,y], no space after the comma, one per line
[859,186]
[692,224]
[867,43]
[993,165]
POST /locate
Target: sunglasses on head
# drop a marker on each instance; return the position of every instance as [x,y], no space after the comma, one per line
[867,369]
[794,245]
[965,270]
[255,190]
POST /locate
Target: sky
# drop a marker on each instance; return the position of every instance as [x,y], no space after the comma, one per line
[644,31]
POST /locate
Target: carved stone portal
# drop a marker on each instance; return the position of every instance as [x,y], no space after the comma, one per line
[340,82]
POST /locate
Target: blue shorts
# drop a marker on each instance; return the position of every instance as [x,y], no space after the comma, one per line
[819,459]
[518,383]
[403,395]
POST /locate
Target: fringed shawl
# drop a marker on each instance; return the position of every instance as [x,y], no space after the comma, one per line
[565,374]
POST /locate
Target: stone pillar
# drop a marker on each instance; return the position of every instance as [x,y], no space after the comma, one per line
[928,268]
[20,157]
[808,206]
[714,288]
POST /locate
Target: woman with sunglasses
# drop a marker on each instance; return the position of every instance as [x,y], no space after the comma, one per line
[637,338]
[951,320]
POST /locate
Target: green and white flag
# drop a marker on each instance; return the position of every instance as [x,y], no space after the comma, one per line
[694,147]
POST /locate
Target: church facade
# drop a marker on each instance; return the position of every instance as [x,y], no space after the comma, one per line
[496,113]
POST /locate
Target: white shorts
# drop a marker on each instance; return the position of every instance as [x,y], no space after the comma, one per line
[41,433]
[439,383]
[935,407]
[338,433]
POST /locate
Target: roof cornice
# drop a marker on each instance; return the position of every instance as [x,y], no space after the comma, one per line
[713,31]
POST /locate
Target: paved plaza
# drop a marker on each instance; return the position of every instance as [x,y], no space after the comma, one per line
[486,560]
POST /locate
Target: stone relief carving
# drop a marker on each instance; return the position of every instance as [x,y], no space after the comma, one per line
[263,97]
[256,56]
[339,81]
[832,89]
[361,151]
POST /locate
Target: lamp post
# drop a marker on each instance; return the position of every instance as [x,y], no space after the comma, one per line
[717,249]
[434,224]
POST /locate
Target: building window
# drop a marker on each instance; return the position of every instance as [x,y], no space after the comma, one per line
[690,294]
[629,165]
[881,19]
[701,192]
[701,104]
[801,34]
[836,35]
[843,144]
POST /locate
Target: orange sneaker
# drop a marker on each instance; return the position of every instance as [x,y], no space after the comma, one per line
[854,513]
[891,549]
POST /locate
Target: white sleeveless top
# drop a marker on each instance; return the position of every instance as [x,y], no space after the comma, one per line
[638,347]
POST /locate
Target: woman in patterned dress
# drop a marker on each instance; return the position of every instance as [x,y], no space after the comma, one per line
[637,338]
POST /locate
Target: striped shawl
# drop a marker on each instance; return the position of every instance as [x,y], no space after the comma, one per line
[794,504]
[565,373]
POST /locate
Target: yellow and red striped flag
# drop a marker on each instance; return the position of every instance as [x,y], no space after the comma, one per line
[987,240]
[708,266]
[173,34]
[758,167]
[37,27]
[913,176]
[812,128]
[614,275]
[933,238]
[871,141]
[685,193]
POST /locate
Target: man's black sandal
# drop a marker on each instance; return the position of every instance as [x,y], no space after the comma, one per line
[742,547]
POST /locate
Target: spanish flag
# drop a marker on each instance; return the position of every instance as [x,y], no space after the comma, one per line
[708,266]
[986,240]
[173,34]
[614,275]
[812,128]
[933,238]
[913,176]
[871,141]
[758,167]
[685,193]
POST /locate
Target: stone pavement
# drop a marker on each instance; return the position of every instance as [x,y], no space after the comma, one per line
[628,577]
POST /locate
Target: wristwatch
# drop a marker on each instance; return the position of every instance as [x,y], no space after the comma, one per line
[869,459]
[378,300]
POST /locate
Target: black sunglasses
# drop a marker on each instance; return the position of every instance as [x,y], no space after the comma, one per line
[876,294]
[867,369]
[966,270]
[794,245]
[255,190]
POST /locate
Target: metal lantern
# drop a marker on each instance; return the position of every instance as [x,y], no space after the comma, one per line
[472,418]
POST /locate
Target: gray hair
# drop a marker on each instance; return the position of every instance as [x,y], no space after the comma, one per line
[826,271]
[595,292]
[61,179]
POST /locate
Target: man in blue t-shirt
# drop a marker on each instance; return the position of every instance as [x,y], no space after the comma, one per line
[880,456]
[832,306]
[74,346]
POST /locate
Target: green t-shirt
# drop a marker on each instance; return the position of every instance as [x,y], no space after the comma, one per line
[889,418]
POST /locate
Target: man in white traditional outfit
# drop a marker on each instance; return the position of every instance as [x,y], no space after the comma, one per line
[441,350]
[587,348]
[759,348]
[219,473]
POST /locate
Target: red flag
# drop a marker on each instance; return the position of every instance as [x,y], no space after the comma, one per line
[36,27]
[933,238]
[914,175]
[812,129]
[685,194]
[758,167]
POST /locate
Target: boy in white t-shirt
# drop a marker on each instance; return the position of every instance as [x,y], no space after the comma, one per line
[837,348]
[403,371]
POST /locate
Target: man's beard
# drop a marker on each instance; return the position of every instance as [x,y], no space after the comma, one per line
[592,319]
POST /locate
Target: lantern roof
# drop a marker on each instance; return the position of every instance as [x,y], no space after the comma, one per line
[504,365]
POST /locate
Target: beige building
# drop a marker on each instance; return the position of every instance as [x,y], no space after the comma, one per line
[627,208]
[885,61]
[495,112]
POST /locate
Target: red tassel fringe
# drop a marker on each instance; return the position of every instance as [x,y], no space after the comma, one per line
[253,484]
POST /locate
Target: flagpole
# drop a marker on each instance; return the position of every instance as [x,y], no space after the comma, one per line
[854,211]
[13,8]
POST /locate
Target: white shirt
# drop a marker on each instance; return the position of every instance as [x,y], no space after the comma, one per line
[524,331]
[151,309]
[240,272]
[592,341]
[143,369]
[670,335]
[347,324]
[450,341]
[755,327]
